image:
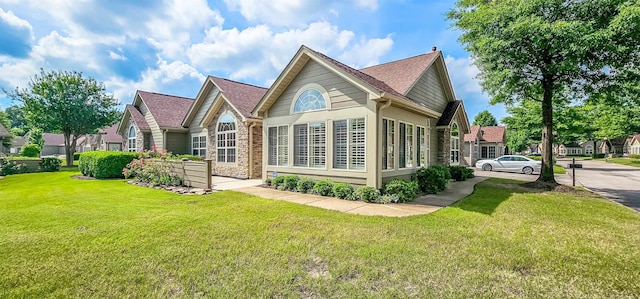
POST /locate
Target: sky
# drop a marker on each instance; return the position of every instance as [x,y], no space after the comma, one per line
[170,46]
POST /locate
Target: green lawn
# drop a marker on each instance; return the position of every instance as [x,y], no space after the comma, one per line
[623,161]
[559,169]
[77,238]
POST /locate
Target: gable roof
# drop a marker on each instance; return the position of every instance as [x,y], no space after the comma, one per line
[167,110]
[488,134]
[18,141]
[244,97]
[110,134]
[4,132]
[53,139]
[402,74]
[138,118]
[375,87]
[449,112]
[474,133]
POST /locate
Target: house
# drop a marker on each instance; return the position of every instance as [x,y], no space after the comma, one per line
[325,120]
[53,145]
[484,143]
[221,127]
[4,136]
[570,149]
[108,139]
[16,145]
[86,143]
[613,147]
[632,145]
[154,120]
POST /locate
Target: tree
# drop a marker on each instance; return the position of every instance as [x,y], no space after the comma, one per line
[551,51]
[485,119]
[613,121]
[67,102]
[35,137]
[16,116]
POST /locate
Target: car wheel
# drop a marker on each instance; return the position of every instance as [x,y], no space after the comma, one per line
[486,167]
[527,170]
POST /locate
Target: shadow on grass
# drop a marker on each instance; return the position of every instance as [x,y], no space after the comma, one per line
[488,195]
[69,169]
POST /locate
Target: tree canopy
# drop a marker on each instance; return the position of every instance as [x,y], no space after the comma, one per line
[551,51]
[66,102]
[485,119]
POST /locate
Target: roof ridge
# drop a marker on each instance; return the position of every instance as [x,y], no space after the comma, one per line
[394,61]
[243,83]
[164,94]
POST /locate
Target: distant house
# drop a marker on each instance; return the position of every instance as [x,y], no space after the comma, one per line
[613,147]
[484,143]
[86,143]
[632,145]
[4,134]
[53,144]
[16,145]
[222,129]
[154,120]
[570,149]
[108,139]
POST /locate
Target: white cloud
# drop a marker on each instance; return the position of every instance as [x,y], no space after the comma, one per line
[15,21]
[116,56]
[465,73]
[371,4]
[367,52]
[278,12]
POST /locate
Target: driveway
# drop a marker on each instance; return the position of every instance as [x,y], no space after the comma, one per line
[617,182]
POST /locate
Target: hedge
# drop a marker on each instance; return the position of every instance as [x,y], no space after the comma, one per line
[103,164]
[31,150]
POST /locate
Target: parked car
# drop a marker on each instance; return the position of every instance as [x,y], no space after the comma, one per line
[514,163]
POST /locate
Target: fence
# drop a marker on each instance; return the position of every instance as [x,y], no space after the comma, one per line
[193,173]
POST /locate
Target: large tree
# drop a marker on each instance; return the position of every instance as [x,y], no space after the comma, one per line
[66,102]
[550,51]
[16,116]
[485,119]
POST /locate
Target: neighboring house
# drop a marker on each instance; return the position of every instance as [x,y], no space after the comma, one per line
[108,139]
[532,149]
[16,145]
[570,149]
[154,120]
[589,147]
[4,134]
[53,144]
[632,145]
[222,129]
[86,143]
[613,147]
[484,143]
[325,120]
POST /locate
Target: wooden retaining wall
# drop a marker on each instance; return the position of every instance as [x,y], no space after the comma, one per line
[193,173]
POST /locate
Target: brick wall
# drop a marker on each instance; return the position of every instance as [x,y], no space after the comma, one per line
[239,169]
[139,137]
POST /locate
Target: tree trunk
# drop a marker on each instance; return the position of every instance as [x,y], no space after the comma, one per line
[546,173]
[70,148]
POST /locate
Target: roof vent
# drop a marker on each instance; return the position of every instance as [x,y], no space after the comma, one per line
[434,48]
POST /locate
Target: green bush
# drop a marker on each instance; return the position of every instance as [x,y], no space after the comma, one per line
[634,156]
[367,193]
[387,198]
[597,156]
[305,185]
[31,150]
[268,181]
[8,167]
[76,156]
[153,171]
[404,190]
[323,187]
[189,157]
[105,164]
[50,164]
[291,182]
[343,190]
[277,181]
[460,173]
[433,179]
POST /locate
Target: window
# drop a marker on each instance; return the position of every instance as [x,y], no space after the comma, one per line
[278,145]
[406,146]
[132,140]
[309,145]
[428,157]
[588,150]
[199,146]
[349,144]
[388,139]
[492,152]
[226,137]
[310,100]
[484,152]
[455,144]
[421,147]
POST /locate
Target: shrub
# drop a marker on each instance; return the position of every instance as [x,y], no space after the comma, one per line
[31,150]
[404,190]
[291,182]
[50,164]
[154,171]
[102,164]
[268,181]
[387,198]
[343,190]
[277,181]
[305,185]
[323,187]
[367,193]
[433,179]
[634,156]
[597,156]
[76,156]
[189,157]
[8,167]
[460,173]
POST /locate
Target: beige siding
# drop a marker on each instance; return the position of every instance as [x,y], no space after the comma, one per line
[156,134]
[342,94]
[429,90]
[178,143]
[196,125]
[346,178]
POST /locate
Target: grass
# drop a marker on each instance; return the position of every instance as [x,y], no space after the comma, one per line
[559,169]
[78,238]
[624,161]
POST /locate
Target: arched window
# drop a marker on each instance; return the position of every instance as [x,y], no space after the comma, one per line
[310,100]
[455,144]
[227,138]
[131,141]
[588,149]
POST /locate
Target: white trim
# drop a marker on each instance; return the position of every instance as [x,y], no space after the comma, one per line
[306,87]
[413,160]
[348,120]
[226,139]
[395,160]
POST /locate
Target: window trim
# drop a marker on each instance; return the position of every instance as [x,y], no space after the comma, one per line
[348,169]
[451,139]
[421,149]
[306,87]
[406,139]
[308,145]
[277,146]
[226,148]
[134,138]
[199,136]
[393,166]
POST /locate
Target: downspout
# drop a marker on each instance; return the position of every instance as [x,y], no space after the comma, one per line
[164,139]
[379,170]
[253,124]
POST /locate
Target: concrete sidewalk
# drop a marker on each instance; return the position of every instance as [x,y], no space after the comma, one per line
[422,205]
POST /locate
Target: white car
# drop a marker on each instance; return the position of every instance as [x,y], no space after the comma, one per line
[510,163]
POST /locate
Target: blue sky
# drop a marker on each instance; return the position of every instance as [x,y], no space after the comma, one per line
[170,46]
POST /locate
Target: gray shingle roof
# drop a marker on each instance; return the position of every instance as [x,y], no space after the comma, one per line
[402,74]
[138,118]
[167,110]
[4,132]
[448,113]
[243,96]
